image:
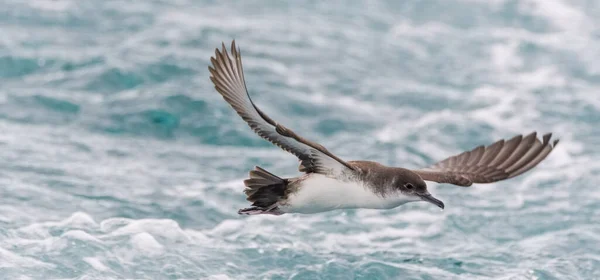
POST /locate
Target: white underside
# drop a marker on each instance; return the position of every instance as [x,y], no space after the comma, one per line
[319,193]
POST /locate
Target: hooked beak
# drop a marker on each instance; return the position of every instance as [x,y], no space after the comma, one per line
[429,198]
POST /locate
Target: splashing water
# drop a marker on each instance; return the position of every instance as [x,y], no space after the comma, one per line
[120,160]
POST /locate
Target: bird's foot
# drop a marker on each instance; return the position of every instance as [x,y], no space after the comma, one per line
[259,211]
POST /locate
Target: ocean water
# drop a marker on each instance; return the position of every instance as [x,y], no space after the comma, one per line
[119,160]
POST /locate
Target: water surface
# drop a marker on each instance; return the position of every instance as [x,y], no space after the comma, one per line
[118,159]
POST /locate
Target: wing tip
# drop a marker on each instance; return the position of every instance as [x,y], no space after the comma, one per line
[224,48]
[548,144]
[221,53]
[546,140]
[531,134]
[226,73]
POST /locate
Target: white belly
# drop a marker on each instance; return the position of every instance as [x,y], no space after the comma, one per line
[319,193]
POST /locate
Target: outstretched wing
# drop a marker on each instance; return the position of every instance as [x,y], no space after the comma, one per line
[228,77]
[496,162]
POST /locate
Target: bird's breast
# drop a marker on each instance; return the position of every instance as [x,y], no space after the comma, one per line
[319,193]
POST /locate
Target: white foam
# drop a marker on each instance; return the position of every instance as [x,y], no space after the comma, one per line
[54,5]
[562,14]
[227,227]
[505,56]
[81,235]
[147,244]
[427,31]
[9,259]
[219,277]
[186,191]
[487,68]
[167,229]
[96,264]
[79,220]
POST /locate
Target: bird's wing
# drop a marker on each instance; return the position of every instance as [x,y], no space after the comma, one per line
[496,162]
[228,77]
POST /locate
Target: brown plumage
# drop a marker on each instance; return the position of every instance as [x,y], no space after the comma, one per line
[499,161]
[390,186]
[263,188]
[228,77]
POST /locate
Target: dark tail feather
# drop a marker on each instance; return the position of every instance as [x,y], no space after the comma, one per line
[264,190]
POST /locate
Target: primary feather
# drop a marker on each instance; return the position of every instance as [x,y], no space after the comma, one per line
[498,161]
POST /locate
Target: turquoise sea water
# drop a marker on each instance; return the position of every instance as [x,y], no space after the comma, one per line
[119,160]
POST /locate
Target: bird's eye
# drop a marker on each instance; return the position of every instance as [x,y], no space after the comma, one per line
[409,186]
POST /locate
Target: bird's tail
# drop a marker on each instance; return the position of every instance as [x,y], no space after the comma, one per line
[264,190]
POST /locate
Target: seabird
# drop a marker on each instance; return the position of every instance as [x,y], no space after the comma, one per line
[330,183]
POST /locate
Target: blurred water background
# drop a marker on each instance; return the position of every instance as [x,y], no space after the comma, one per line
[118,159]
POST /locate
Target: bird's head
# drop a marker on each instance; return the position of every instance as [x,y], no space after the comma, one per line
[410,184]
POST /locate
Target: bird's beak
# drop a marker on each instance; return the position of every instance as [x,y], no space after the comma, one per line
[429,198]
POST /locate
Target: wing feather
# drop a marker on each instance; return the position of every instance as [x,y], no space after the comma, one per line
[227,76]
[498,161]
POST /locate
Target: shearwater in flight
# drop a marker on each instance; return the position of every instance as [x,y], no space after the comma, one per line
[330,183]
